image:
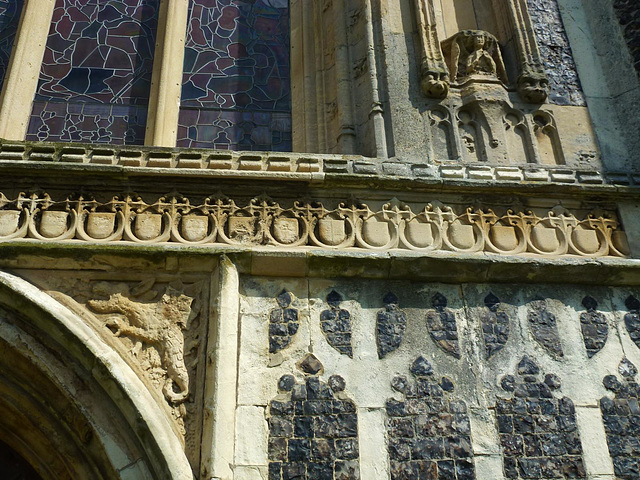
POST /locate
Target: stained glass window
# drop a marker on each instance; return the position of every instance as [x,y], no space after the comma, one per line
[236,82]
[96,74]
[10,11]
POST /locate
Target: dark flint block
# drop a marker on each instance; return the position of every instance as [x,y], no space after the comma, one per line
[299,450]
[320,471]
[346,448]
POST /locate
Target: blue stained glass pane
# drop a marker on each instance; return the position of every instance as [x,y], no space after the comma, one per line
[10,11]
[236,91]
[96,74]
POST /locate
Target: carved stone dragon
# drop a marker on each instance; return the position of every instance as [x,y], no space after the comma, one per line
[159,324]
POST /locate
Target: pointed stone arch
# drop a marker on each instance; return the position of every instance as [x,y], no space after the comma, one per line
[70,404]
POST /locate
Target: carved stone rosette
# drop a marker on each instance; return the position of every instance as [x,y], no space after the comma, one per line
[220,221]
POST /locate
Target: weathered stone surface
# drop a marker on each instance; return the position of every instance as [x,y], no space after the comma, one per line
[429,430]
[495,326]
[632,319]
[314,436]
[621,416]
[442,326]
[391,324]
[556,53]
[283,322]
[537,430]
[544,327]
[336,325]
[628,13]
[594,327]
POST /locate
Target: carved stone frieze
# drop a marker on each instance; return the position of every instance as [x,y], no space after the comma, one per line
[221,221]
[474,52]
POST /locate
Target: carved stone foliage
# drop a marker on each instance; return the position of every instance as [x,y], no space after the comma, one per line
[396,225]
[429,429]
[313,431]
[594,326]
[443,327]
[544,327]
[538,431]
[391,323]
[336,325]
[632,319]
[495,326]
[283,322]
[621,416]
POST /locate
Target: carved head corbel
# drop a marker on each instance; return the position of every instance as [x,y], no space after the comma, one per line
[533,87]
[435,83]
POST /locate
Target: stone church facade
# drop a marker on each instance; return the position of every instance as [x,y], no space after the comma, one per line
[324,240]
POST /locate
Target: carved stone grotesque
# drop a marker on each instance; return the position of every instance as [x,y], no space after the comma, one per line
[474,52]
[158,324]
[533,87]
[435,84]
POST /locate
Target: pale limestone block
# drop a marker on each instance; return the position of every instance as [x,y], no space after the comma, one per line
[374,460]
[251,436]
[489,467]
[251,473]
[594,442]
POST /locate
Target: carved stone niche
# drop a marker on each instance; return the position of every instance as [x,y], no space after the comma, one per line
[464,40]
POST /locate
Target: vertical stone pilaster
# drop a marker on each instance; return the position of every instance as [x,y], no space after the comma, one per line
[221,377]
[166,80]
[21,81]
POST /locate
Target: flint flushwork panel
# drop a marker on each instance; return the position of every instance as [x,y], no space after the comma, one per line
[556,53]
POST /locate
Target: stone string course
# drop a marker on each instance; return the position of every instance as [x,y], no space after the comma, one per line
[220,220]
[292,165]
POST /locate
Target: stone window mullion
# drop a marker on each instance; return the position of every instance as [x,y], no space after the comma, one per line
[21,79]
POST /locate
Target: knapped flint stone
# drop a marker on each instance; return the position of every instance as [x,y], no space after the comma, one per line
[537,431]
[429,430]
[337,383]
[314,435]
[442,326]
[627,369]
[495,326]
[286,383]
[594,327]
[336,325]
[311,365]
[421,367]
[391,324]
[283,323]
[544,327]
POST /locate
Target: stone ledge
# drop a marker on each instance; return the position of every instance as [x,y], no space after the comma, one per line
[302,166]
[446,267]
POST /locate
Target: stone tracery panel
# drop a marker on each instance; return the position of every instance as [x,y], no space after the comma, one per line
[95,78]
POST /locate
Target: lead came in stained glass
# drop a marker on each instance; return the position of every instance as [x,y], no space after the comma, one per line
[236,82]
[10,11]
[96,73]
